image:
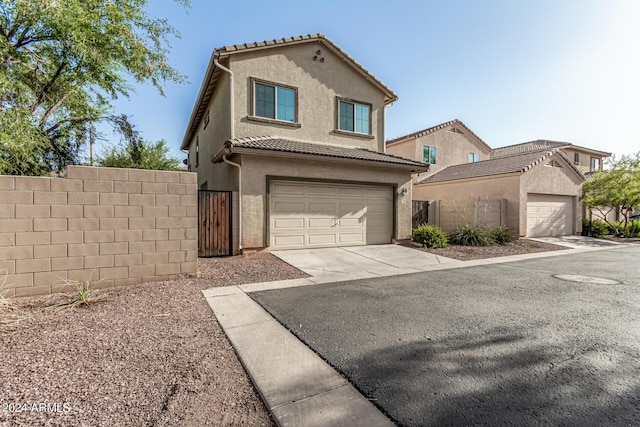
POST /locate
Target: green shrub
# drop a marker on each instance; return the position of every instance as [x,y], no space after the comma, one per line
[473,235]
[599,228]
[431,236]
[632,229]
[501,235]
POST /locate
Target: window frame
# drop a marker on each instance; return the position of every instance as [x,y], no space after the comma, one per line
[576,158]
[197,150]
[275,85]
[354,102]
[435,154]
[473,157]
[593,162]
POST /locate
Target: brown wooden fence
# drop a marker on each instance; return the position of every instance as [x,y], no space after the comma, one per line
[214,223]
[420,212]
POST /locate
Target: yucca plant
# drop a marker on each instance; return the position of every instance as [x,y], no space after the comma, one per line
[473,235]
[501,235]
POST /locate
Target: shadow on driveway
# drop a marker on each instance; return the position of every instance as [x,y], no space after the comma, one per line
[498,379]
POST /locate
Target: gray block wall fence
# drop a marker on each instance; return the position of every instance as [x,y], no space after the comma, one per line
[113,226]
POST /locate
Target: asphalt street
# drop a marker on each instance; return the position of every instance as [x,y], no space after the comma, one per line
[487,345]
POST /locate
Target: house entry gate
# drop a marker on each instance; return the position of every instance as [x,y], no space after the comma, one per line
[214,223]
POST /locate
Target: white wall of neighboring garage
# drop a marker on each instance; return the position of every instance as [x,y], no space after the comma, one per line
[549,215]
[317,214]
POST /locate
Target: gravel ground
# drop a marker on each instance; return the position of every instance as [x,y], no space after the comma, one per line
[147,355]
[522,246]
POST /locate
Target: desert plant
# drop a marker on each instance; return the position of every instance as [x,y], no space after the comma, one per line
[473,235]
[501,235]
[9,313]
[82,294]
[431,236]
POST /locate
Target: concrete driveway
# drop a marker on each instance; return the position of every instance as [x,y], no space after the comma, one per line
[552,341]
[376,260]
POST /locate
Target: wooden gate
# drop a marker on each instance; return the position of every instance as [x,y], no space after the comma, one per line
[214,223]
[420,212]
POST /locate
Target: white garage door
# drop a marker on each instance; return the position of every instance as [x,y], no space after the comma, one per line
[307,215]
[549,215]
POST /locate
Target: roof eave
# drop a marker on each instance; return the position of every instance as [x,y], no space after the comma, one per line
[275,153]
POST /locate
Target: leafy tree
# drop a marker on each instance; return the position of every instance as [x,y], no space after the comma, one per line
[140,154]
[61,65]
[616,189]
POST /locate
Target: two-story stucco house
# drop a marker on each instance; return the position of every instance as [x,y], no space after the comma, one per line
[295,128]
[534,188]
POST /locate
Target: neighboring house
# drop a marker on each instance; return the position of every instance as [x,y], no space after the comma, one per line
[534,194]
[586,159]
[446,144]
[295,127]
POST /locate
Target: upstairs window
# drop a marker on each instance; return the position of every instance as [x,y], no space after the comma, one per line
[354,117]
[595,163]
[197,150]
[576,158]
[474,157]
[275,102]
[429,155]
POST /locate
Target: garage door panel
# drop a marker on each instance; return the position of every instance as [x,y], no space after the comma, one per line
[288,223]
[324,190]
[292,189]
[322,239]
[328,222]
[332,215]
[289,207]
[351,238]
[288,240]
[327,207]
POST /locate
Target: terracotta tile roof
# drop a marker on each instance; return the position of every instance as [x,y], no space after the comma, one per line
[539,145]
[437,128]
[519,163]
[227,50]
[527,147]
[270,143]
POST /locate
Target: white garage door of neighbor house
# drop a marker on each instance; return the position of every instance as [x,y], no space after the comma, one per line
[315,215]
[549,215]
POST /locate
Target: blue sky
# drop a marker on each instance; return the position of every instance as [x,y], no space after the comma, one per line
[511,70]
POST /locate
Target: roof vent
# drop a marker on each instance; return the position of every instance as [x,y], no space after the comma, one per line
[554,164]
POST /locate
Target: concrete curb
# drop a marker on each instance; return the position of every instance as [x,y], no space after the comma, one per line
[297,386]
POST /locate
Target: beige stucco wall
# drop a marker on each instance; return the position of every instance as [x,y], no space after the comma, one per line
[221,177]
[254,188]
[542,179]
[112,226]
[451,148]
[460,195]
[318,83]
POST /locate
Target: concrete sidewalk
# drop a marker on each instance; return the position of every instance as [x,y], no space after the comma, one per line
[297,386]
[578,242]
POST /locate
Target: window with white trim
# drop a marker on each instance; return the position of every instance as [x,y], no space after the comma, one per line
[354,117]
[474,157]
[429,155]
[276,102]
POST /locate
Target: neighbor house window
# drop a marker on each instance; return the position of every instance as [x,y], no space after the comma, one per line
[197,150]
[354,117]
[474,157]
[576,158]
[429,155]
[276,102]
[595,163]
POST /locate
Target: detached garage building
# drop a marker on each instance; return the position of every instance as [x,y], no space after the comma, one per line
[534,194]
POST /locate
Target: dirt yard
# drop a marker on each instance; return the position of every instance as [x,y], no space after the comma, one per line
[517,247]
[148,355]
